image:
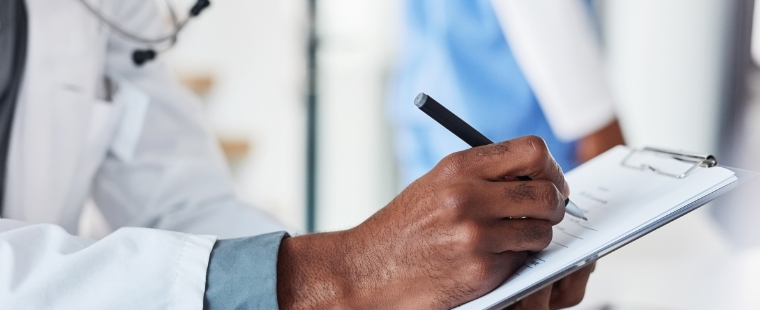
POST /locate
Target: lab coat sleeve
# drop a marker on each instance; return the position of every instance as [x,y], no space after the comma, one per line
[172,175]
[249,263]
[555,45]
[44,267]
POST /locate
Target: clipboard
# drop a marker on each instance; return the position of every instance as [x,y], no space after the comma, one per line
[652,164]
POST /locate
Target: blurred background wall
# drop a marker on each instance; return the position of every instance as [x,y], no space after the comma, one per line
[356,172]
[667,62]
[247,59]
[675,67]
[253,56]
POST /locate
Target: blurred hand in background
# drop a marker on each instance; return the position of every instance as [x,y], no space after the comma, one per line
[598,142]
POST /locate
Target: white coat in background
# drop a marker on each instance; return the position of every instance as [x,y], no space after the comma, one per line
[141,150]
[555,45]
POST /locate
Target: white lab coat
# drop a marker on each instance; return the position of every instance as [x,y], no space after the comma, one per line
[146,157]
[555,46]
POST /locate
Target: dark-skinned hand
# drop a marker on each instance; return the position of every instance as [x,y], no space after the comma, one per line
[451,236]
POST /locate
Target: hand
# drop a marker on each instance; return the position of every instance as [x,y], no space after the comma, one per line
[450,237]
[599,142]
[564,293]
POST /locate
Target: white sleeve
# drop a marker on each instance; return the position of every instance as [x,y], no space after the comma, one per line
[165,169]
[43,267]
[555,46]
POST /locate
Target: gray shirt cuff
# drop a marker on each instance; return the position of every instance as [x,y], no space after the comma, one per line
[242,273]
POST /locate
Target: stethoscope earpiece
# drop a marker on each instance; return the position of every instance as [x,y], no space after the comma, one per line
[199,6]
[141,56]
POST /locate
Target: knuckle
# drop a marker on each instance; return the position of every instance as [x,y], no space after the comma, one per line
[453,163]
[548,197]
[471,236]
[533,139]
[522,192]
[538,145]
[455,199]
[538,234]
[544,235]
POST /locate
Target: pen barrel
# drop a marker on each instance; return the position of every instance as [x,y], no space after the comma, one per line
[452,122]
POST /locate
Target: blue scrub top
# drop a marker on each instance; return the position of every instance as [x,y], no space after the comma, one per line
[456,52]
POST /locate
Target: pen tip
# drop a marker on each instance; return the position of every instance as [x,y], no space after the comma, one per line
[585,219]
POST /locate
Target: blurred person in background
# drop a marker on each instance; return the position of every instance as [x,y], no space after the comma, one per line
[509,68]
[79,120]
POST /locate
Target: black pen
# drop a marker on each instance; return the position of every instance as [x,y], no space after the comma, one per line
[471,136]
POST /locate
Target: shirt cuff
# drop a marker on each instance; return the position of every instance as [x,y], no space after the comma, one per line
[242,273]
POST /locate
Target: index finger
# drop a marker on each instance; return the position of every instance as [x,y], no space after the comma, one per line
[525,156]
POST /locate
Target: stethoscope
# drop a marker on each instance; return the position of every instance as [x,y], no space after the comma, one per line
[141,56]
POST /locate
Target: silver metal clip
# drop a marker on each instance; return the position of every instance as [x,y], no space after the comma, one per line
[698,160]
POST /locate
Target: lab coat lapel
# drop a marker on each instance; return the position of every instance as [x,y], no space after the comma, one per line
[52,116]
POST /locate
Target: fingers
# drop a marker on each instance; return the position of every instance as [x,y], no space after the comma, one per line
[536,301]
[505,264]
[518,235]
[531,199]
[564,293]
[570,290]
[524,156]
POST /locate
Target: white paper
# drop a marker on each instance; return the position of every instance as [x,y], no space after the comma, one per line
[617,201]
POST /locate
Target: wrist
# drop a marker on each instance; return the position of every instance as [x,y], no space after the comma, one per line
[316,272]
